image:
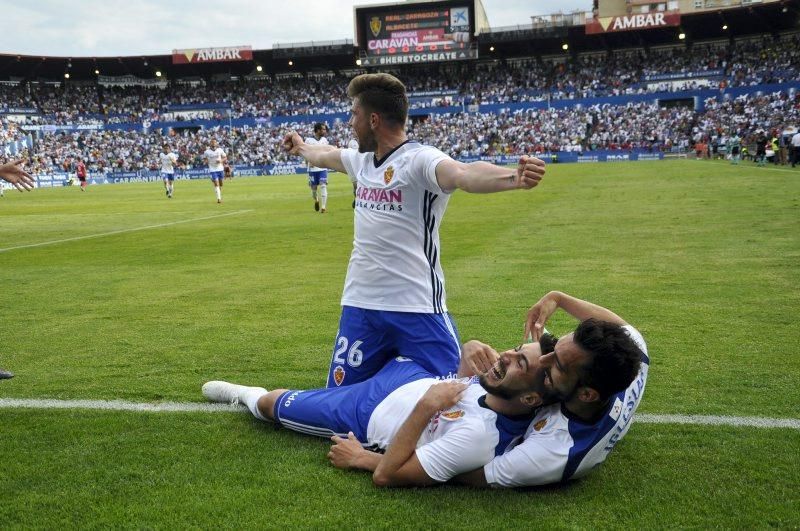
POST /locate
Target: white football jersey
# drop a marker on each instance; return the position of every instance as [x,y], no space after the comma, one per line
[214,157]
[557,447]
[313,141]
[458,440]
[168,161]
[395,263]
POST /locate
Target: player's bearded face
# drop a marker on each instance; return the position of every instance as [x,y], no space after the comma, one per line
[359,121]
[517,373]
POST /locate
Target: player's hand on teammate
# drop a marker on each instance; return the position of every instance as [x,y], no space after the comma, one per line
[538,316]
[477,357]
[530,171]
[292,143]
[443,395]
[13,173]
[345,452]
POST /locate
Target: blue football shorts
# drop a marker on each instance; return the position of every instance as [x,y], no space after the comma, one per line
[315,178]
[368,339]
[337,410]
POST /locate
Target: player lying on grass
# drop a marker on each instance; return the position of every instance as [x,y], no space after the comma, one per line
[433,432]
[595,376]
[13,173]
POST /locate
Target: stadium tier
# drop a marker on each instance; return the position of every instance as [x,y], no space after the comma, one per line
[622,101]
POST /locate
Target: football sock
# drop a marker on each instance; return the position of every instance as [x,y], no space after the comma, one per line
[314,194]
[250,399]
[324,195]
[218,191]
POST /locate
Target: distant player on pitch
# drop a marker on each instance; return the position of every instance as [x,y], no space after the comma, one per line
[215,157]
[318,177]
[168,161]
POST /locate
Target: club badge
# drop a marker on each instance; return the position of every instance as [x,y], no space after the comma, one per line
[338,375]
[375,26]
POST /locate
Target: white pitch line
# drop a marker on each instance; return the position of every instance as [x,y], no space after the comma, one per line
[715,420]
[191,407]
[117,405]
[122,231]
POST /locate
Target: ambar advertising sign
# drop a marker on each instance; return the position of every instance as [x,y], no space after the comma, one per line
[633,22]
[212,55]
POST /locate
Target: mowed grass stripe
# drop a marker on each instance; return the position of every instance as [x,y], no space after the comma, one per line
[122,231]
[193,407]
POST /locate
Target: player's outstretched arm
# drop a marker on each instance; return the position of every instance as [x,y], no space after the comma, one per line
[320,155]
[400,466]
[577,308]
[13,173]
[484,177]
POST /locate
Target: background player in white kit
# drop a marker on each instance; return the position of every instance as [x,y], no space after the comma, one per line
[394,298]
[215,157]
[318,177]
[168,161]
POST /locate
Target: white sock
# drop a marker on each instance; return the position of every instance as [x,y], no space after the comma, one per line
[324,194]
[314,194]
[250,399]
[218,191]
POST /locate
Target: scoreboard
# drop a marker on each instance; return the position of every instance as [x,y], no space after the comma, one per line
[416,33]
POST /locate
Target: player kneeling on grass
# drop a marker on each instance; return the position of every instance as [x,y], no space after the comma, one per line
[591,381]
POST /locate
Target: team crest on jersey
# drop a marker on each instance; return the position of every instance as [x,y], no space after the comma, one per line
[338,375]
[375,26]
[452,414]
[539,425]
[388,174]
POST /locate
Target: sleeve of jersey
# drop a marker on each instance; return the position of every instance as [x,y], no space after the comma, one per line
[455,453]
[428,158]
[349,162]
[538,460]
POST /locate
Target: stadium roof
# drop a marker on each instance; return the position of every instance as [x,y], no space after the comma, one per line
[520,41]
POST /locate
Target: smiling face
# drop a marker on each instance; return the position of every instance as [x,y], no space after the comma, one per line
[517,372]
[562,368]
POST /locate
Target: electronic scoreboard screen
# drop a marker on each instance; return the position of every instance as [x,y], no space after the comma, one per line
[416,33]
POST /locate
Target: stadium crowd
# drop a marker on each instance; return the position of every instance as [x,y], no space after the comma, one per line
[462,134]
[744,62]
[615,127]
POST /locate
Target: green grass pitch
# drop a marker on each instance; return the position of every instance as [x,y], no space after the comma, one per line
[144,298]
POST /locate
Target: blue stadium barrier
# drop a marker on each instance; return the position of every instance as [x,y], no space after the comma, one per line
[62,178]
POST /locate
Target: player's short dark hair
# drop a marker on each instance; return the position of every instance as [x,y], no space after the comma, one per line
[381,93]
[319,126]
[547,343]
[614,358]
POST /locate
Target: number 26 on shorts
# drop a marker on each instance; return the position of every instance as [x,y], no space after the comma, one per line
[354,355]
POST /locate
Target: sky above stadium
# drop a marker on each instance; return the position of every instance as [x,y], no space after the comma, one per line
[156,27]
